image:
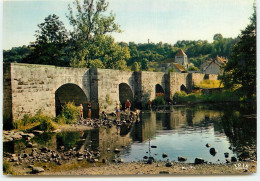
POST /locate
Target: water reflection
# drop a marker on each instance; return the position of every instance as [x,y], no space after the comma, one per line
[178,131]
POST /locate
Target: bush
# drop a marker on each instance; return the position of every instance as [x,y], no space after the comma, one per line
[47,125]
[30,121]
[159,100]
[70,112]
[179,96]
[7,168]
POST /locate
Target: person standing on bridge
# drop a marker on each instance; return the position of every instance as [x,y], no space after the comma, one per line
[81,111]
[89,110]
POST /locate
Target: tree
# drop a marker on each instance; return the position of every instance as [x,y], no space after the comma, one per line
[241,68]
[90,25]
[50,43]
[16,54]
[135,67]
[218,37]
[144,64]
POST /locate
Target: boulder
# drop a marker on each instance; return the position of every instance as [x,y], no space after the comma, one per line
[233,159]
[228,160]
[226,154]
[164,155]
[37,170]
[80,159]
[207,145]
[182,158]
[117,150]
[199,161]
[168,164]
[145,157]
[213,150]
[120,160]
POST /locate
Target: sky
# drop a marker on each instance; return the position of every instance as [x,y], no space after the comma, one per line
[158,20]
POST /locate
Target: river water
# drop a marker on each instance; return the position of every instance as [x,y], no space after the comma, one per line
[176,131]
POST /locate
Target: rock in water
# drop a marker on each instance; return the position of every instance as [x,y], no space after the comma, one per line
[226,154]
[233,159]
[37,170]
[213,151]
[207,145]
[153,146]
[228,160]
[182,158]
[168,164]
[198,161]
[164,155]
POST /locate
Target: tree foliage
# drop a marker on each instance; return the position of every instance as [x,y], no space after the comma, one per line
[50,43]
[241,69]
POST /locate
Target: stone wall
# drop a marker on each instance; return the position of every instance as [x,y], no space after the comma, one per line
[108,87]
[148,83]
[29,88]
[33,87]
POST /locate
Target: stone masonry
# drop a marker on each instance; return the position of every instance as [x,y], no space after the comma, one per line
[28,88]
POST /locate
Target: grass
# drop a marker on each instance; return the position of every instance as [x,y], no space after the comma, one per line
[7,168]
[182,97]
[70,113]
[207,84]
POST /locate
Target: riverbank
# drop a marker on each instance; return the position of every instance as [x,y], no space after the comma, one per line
[141,168]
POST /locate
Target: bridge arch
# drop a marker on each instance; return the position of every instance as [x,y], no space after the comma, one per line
[125,92]
[183,88]
[159,90]
[70,93]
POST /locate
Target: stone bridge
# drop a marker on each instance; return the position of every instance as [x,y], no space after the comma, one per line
[28,88]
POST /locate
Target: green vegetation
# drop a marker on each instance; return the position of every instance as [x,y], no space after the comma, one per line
[240,71]
[69,114]
[7,168]
[206,84]
[159,100]
[226,96]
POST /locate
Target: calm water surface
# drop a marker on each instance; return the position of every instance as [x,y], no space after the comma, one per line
[176,131]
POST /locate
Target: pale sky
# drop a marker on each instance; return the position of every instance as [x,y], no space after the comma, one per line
[159,20]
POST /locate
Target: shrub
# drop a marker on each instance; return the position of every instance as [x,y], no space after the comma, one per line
[179,96]
[47,125]
[30,121]
[159,100]
[70,112]
[7,168]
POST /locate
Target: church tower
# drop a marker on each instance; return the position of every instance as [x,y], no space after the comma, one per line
[182,59]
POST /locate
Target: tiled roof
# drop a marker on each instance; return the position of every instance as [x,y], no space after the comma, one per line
[180,53]
[179,67]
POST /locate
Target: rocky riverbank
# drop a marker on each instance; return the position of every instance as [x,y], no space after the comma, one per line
[141,168]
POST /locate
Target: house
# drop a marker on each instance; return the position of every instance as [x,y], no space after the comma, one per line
[169,64]
[214,66]
[182,59]
[179,64]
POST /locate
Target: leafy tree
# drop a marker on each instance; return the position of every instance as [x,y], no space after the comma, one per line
[90,25]
[50,43]
[144,64]
[218,37]
[16,54]
[135,67]
[241,68]
[96,64]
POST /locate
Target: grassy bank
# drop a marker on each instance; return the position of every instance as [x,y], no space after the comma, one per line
[225,96]
[69,114]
